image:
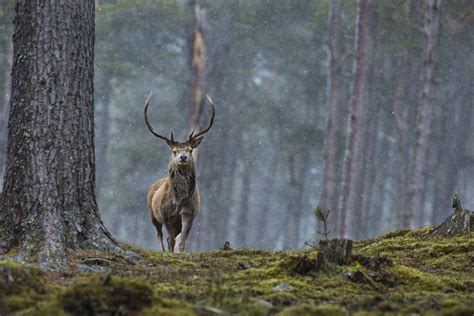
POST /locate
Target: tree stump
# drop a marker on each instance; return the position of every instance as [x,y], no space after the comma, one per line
[338,251]
[458,223]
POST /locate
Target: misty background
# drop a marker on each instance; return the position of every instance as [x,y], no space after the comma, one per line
[261,167]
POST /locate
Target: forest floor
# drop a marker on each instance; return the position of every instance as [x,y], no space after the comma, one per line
[402,272]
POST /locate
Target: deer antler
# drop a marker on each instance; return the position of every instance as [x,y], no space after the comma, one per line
[192,136]
[168,140]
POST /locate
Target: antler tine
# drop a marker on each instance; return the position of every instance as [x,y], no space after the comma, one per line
[210,123]
[147,103]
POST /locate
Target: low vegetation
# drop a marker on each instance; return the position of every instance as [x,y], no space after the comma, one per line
[401,272]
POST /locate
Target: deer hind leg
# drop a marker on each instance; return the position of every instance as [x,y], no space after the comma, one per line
[187,223]
[159,232]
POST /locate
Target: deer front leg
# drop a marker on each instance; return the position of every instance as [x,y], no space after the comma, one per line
[187,222]
[171,236]
[171,243]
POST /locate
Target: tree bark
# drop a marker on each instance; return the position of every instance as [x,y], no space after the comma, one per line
[7,86]
[243,217]
[400,113]
[49,204]
[333,150]
[416,193]
[354,167]
[104,128]
[198,73]
[297,166]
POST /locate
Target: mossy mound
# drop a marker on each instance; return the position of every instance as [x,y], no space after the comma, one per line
[20,286]
[400,273]
[321,310]
[109,296]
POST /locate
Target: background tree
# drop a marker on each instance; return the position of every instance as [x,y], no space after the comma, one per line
[333,152]
[416,195]
[361,116]
[6,55]
[49,205]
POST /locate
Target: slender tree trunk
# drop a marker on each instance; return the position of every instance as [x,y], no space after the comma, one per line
[214,180]
[333,151]
[49,204]
[372,155]
[244,211]
[297,166]
[198,74]
[456,129]
[357,143]
[7,86]
[416,193]
[290,216]
[103,135]
[264,214]
[400,113]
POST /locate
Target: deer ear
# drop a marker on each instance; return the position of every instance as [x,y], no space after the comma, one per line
[195,142]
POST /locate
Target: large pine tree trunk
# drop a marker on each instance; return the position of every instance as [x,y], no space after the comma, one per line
[333,150]
[355,168]
[49,204]
[416,194]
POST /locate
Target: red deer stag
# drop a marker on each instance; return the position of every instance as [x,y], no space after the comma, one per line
[174,201]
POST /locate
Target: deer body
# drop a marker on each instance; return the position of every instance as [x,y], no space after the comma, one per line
[174,201]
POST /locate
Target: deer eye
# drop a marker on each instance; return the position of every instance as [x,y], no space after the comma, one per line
[174,152]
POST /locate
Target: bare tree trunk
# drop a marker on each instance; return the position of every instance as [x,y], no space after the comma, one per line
[244,210]
[7,86]
[297,166]
[103,134]
[49,205]
[264,214]
[215,181]
[372,155]
[198,73]
[416,193]
[357,143]
[400,113]
[333,151]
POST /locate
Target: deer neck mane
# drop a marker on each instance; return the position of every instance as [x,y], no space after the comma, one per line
[183,182]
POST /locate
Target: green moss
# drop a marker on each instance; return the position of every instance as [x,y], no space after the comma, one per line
[118,296]
[321,310]
[21,286]
[426,276]
[18,279]
[168,307]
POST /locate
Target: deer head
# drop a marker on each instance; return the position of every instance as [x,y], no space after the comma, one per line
[181,150]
